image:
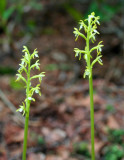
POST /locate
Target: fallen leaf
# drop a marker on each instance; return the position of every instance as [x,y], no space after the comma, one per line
[53,157]
[13,134]
[98,146]
[3,154]
[63,152]
[112,123]
[34,156]
[84,102]
[52,136]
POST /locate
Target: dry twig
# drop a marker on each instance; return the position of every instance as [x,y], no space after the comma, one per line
[19,119]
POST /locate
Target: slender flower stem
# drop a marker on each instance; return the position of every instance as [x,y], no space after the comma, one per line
[92,118]
[25,137]
[91,99]
[26,115]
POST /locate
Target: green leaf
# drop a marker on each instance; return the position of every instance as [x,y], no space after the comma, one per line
[41,140]
[113,152]
[51,67]
[110,10]
[76,15]
[110,108]
[7,70]
[82,149]
[65,67]
[2,6]
[16,85]
[8,13]
[104,10]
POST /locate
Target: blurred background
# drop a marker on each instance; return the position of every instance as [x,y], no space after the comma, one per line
[59,126]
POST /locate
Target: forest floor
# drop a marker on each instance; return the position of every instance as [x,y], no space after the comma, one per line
[59,127]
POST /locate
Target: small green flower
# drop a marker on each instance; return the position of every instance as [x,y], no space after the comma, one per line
[25,66]
[22,109]
[90,27]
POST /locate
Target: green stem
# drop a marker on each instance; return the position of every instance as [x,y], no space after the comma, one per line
[26,115]
[92,117]
[91,98]
[25,137]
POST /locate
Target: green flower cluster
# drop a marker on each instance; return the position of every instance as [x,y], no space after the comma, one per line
[26,66]
[90,29]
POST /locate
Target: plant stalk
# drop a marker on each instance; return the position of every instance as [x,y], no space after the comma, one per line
[92,117]
[26,115]
[25,137]
[91,100]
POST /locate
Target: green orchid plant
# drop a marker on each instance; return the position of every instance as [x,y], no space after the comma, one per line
[90,31]
[26,66]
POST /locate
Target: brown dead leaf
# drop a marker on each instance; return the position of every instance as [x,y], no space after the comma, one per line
[13,134]
[63,152]
[70,130]
[2,154]
[34,156]
[79,114]
[53,157]
[112,123]
[62,108]
[16,151]
[84,102]
[97,100]
[98,146]
[19,136]
[52,136]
